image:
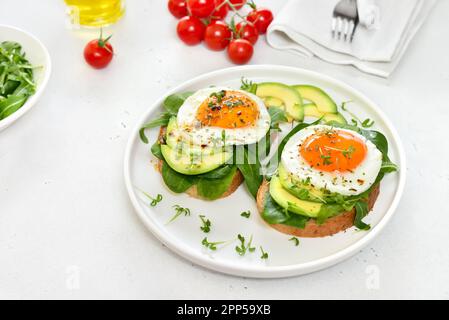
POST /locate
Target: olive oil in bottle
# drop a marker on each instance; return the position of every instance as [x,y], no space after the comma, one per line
[95,13]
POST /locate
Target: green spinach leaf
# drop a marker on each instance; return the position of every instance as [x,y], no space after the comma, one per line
[212,189]
[218,173]
[210,185]
[160,121]
[173,102]
[275,214]
[156,150]
[388,166]
[251,171]
[377,138]
[361,210]
[381,143]
[175,181]
[328,211]
[296,220]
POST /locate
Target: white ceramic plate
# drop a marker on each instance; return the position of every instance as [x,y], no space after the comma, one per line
[38,55]
[184,235]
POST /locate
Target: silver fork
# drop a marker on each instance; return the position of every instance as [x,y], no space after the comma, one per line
[345,20]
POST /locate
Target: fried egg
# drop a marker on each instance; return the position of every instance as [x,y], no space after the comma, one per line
[338,160]
[219,115]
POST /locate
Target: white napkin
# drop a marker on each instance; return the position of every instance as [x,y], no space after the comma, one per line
[304,27]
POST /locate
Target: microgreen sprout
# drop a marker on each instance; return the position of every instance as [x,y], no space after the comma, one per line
[179,211]
[244,247]
[206,224]
[246,214]
[295,241]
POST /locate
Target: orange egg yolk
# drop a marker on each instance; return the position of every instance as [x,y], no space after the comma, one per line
[228,110]
[333,150]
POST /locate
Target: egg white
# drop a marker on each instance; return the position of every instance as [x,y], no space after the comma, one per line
[344,183]
[192,131]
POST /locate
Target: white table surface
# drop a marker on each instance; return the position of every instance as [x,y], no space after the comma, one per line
[68,230]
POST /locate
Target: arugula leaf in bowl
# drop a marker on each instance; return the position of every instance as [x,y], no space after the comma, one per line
[16,78]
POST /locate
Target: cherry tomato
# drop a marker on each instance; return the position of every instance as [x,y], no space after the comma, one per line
[191,30]
[221,10]
[261,18]
[247,32]
[99,52]
[217,35]
[201,8]
[240,51]
[238,4]
[178,8]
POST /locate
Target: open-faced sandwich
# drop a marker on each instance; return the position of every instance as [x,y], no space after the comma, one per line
[200,135]
[323,178]
[327,179]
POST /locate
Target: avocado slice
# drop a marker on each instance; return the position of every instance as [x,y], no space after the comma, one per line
[328,117]
[297,188]
[321,99]
[291,99]
[171,139]
[194,164]
[273,102]
[292,203]
[310,110]
[174,141]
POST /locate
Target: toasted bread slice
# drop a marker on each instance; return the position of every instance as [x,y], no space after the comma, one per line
[193,191]
[332,225]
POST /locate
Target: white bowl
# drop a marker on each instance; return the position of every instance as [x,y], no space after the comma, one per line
[38,55]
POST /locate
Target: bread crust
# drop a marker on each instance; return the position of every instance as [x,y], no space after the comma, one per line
[193,190]
[331,226]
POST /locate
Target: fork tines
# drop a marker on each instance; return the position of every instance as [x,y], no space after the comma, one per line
[345,20]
